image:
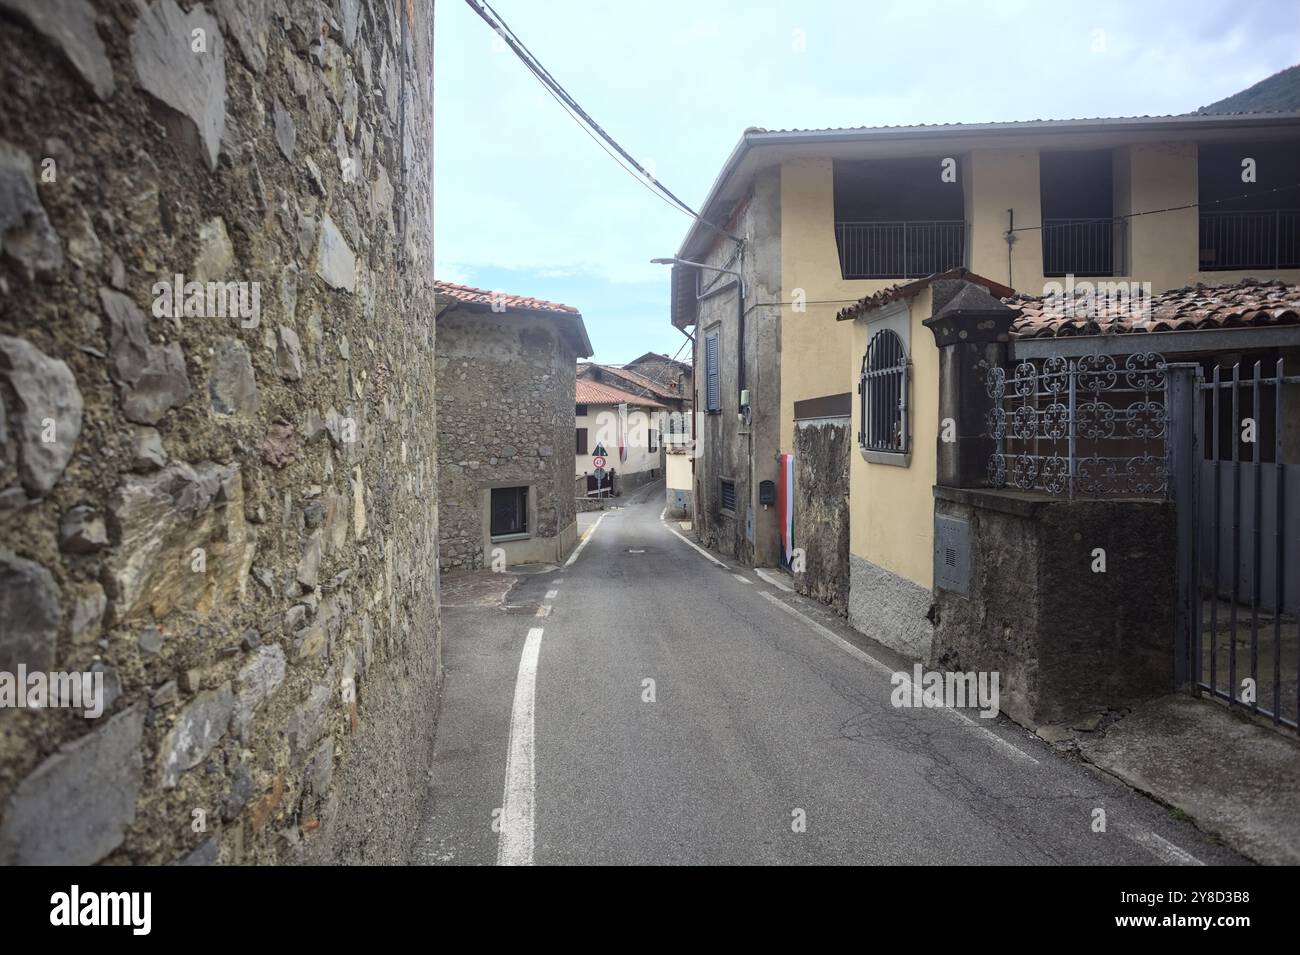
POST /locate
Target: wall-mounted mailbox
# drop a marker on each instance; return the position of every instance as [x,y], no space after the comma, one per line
[766,492]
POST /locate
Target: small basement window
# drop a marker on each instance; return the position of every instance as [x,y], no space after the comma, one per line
[728,494]
[509,511]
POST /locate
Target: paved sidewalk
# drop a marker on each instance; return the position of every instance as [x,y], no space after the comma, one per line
[1237,780]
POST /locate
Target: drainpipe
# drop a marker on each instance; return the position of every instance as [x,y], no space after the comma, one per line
[1011,239]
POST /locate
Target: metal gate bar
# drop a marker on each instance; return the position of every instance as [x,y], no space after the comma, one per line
[1273,708]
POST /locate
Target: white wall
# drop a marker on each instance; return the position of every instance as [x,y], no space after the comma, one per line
[601,422]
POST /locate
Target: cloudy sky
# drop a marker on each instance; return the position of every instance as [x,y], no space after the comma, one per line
[527,203]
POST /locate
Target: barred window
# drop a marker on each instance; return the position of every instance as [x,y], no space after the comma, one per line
[883,392]
[728,490]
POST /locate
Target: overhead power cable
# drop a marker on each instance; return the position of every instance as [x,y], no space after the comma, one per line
[583,118]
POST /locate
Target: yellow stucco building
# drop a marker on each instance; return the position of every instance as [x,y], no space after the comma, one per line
[822,219]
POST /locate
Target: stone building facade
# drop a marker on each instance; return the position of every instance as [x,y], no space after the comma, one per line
[506,367]
[219,499]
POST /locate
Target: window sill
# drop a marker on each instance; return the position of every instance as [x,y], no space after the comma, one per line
[503,538]
[892,458]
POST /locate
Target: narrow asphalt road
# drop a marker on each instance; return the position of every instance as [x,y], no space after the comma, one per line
[645,705]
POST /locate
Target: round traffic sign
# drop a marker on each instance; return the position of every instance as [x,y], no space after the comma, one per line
[599,475]
[598,462]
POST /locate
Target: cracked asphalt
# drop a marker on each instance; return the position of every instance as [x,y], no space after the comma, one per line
[759,719]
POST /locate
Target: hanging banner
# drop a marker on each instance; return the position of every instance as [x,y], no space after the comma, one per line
[785,505]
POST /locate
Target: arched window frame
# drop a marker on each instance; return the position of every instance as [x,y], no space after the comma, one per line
[884,428]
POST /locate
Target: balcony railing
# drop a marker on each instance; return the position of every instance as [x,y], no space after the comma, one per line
[1083,246]
[900,250]
[1268,239]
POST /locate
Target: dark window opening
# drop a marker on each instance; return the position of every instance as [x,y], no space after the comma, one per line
[579,411]
[509,511]
[654,440]
[898,218]
[882,390]
[727,491]
[1081,234]
[1249,225]
[582,441]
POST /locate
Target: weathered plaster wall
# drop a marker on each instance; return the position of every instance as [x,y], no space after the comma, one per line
[232,518]
[821,510]
[505,419]
[744,451]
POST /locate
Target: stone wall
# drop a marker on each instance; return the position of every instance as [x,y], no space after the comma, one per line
[505,415]
[229,515]
[821,511]
[1071,637]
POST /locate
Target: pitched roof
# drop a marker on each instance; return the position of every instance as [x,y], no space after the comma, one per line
[483,300]
[469,294]
[914,287]
[652,358]
[758,147]
[590,392]
[1250,302]
[658,388]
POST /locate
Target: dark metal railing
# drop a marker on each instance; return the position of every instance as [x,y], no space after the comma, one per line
[900,250]
[1268,239]
[882,390]
[1083,246]
[1080,427]
[1247,547]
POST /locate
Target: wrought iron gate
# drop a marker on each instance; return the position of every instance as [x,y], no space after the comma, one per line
[1236,481]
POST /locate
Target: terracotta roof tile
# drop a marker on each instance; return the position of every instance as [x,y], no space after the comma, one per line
[913,287]
[466,293]
[598,393]
[1250,302]
[641,381]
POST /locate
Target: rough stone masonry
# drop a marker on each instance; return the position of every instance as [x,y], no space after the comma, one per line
[217,449]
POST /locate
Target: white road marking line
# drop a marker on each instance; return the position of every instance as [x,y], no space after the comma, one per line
[703,553]
[515,846]
[742,578]
[551,594]
[774,579]
[543,611]
[1162,847]
[871,661]
[663,513]
[583,543]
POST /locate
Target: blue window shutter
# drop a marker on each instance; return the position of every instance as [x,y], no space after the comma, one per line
[713,391]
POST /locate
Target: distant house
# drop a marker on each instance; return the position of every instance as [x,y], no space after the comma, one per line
[505,384]
[619,426]
[676,375]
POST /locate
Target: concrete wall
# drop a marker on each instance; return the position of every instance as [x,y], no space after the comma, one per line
[505,419]
[744,451]
[232,518]
[1069,642]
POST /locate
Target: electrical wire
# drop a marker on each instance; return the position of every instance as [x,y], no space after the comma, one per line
[582,117]
[1190,205]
